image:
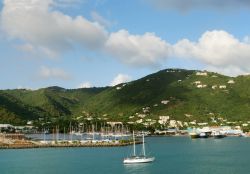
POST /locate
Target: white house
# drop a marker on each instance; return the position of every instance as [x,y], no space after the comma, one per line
[201,73]
[172,123]
[164,102]
[202,124]
[193,122]
[197,82]
[201,86]
[163,119]
[231,82]
[222,86]
[214,86]
[141,115]
[139,121]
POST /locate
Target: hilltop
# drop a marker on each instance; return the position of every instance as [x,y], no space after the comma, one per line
[184,95]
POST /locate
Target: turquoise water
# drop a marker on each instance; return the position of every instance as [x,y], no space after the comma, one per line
[174,155]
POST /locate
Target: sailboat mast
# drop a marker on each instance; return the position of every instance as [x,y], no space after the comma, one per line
[93,131]
[134,143]
[44,134]
[143,146]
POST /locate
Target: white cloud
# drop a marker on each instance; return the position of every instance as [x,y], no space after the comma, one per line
[184,5]
[45,30]
[247,39]
[218,49]
[140,50]
[37,23]
[52,73]
[120,78]
[85,85]
[26,48]
[100,19]
[227,70]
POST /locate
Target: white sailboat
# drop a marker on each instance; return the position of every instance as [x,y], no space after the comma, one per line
[134,159]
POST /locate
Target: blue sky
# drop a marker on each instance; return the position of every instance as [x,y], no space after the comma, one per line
[74,43]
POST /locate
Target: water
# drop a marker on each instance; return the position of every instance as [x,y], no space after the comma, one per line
[174,155]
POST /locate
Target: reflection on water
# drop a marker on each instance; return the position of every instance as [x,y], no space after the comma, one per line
[138,168]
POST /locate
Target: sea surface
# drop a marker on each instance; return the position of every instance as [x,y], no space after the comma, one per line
[174,155]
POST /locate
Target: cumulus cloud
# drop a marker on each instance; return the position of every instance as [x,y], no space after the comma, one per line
[230,70]
[37,23]
[185,5]
[46,73]
[120,78]
[139,50]
[216,48]
[85,85]
[44,29]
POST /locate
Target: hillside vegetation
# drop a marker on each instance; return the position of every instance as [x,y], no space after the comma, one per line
[184,95]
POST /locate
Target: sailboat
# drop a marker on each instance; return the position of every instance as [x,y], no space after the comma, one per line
[134,159]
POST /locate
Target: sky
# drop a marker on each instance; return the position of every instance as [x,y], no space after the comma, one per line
[87,43]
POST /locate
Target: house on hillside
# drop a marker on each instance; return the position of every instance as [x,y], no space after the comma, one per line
[197,82]
[214,86]
[163,120]
[231,82]
[201,73]
[222,86]
[165,102]
[201,86]
[139,121]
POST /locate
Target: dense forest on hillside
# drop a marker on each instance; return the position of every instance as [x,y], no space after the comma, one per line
[184,95]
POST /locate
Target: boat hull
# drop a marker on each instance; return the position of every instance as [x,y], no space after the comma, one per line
[219,136]
[194,136]
[136,160]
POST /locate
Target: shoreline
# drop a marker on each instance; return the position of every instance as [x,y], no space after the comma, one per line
[91,145]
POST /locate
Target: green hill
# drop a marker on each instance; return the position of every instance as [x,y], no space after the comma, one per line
[184,95]
[52,102]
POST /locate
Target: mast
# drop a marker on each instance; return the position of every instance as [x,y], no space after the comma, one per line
[64,134]
[43,134]
[134,143]
[143,146]
[93,131]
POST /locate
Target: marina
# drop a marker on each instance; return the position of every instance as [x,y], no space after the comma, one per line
[21,141]
[108,138]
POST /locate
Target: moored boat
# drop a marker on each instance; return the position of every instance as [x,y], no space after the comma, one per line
[194,135]
[203,135]
[135,159]
[218,135]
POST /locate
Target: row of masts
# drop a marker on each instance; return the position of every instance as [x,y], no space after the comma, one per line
[89,132]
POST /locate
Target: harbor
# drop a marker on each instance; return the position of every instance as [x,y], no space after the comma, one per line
[100,139]
[21,141]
